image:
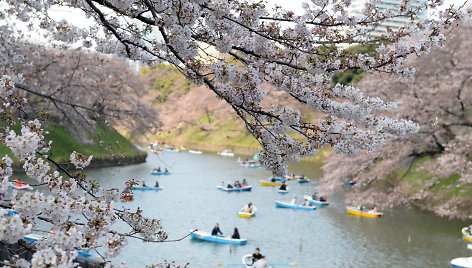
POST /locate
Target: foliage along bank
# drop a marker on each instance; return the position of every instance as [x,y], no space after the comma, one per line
[108,146]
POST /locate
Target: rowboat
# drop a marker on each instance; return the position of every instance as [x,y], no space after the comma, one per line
[194,152]
[269,183]
[160,173]
[303,180]
[364,213]
[243,214]
[19,185]
[463,262]
[247,263]
[282,204]
[466,234]
[316,202]
[173,150]
[11,212]
[242,189]
[146,188]
[227,152]
[352,181]
[282,191]
[292,178]
[273,179]
[126,197]
[156,151]
[250,164]
[33,238]
[205,236]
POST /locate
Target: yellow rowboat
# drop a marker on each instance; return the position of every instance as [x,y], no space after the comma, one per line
[364,213]
[269,183]
[466,234]
[243,214]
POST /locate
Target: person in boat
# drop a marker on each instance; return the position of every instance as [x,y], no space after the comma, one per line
[323,199]
[306,203]
[222,184]
[158,169]
[235,234]
[272,179]
[261,263]
[157,184]
[283,187]
[244,182]
[315,196]
[237,184]
[144,184]
[229,186]
[166,170]
[216,230]
[256,255]
[248,208]
[373,209]
[294,201]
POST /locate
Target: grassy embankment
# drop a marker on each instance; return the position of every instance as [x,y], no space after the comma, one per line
[227,134]
[445,189]
[115,149]
[212,131]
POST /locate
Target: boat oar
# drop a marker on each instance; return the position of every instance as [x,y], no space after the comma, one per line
[271,264]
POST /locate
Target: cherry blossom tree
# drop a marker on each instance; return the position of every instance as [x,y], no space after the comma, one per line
[438,98]
[297,54]
[81,88]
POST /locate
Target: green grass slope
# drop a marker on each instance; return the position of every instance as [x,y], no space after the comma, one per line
[107,146]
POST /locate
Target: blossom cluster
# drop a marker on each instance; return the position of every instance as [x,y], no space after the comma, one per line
[80,161]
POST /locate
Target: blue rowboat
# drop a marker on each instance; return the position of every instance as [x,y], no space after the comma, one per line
[33,238]
[242,189]
[352,181]
[195,234]
[281,204]
[303,180]
[146,188]
[160,173]
[194,152]
[11,212]
[250,164]
[173,150]
[463,262]
[316,202]
[319,203]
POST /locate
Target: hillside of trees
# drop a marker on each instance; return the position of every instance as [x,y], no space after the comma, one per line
[431,170]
